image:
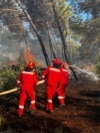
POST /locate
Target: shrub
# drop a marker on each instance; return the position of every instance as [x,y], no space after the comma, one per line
[98,64]
[9,74]
[8,77]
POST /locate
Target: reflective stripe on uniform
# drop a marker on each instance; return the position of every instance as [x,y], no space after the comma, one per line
[21,106]
[61,97]
[49,101]
[30,73]
[33,101]
[54,69]
[65,70]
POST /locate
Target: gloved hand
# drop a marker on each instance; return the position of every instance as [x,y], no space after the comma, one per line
[42,77]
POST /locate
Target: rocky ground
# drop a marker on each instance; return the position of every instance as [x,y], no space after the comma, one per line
[80,115]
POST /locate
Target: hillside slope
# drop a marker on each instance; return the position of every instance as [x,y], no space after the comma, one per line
[80,115]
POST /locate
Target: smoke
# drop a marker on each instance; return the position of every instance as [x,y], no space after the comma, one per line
[10,46]
[84,75]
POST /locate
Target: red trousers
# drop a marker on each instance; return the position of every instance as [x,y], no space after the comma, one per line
[24,94]
[50,92]
[61,93]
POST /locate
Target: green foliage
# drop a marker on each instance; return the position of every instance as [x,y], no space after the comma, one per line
[91,7]
[38,70]
[8,77]
[10,16]
[2,120]
[64,11]
[98,64]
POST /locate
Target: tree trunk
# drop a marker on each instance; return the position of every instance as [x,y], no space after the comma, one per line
[50,40]
[61,33]
[63,39]
[35,30]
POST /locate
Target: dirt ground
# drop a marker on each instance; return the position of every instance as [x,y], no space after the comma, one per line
[81,114]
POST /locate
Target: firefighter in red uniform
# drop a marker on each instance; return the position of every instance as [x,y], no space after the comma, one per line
[63,84]
[52,76]
[27,81]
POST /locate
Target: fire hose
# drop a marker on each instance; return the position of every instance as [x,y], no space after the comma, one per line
[16,89]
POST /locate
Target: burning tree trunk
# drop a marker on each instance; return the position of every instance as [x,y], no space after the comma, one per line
[35,30]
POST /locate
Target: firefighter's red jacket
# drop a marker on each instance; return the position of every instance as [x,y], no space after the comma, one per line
[52,75]
[27,80]
[64,76]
